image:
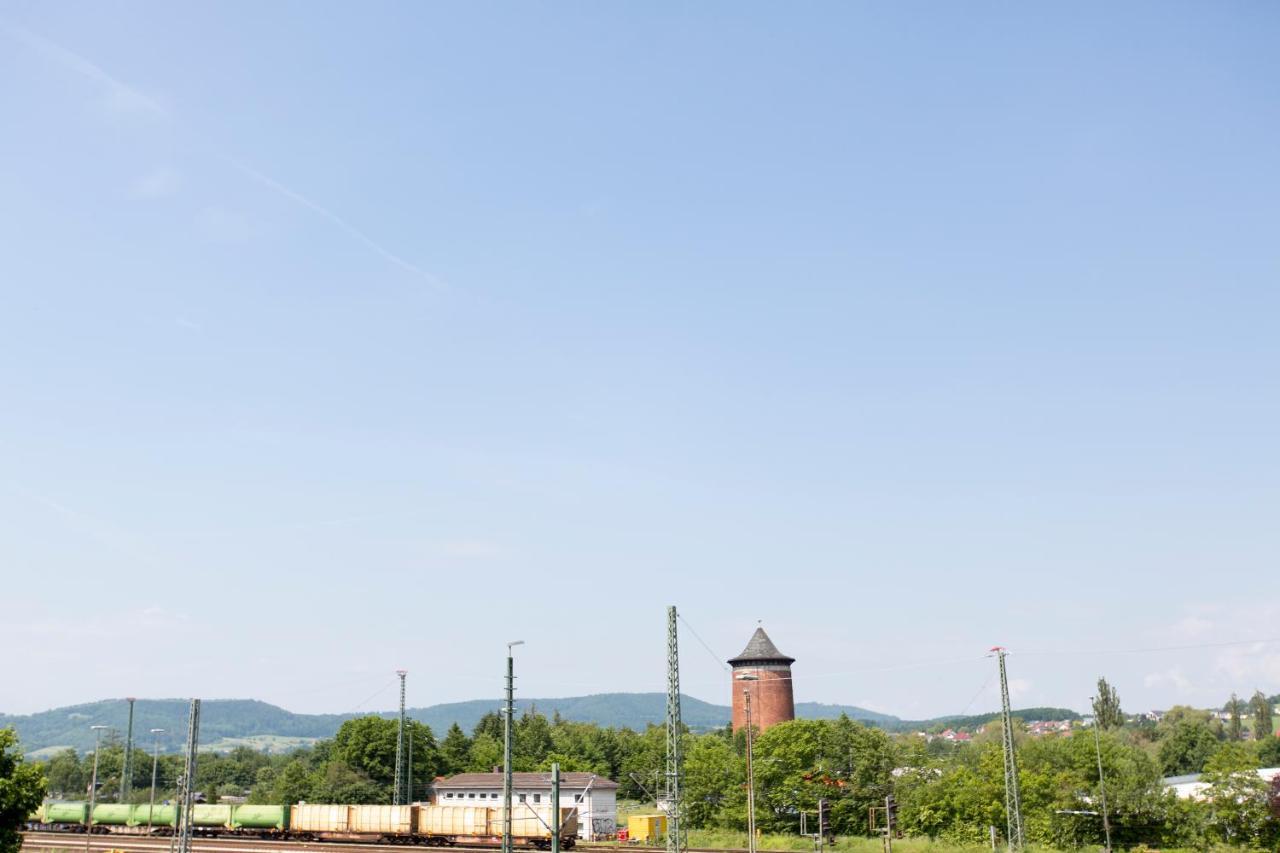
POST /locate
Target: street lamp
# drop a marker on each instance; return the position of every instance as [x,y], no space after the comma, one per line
[93,783]
[506,748]
[751,773]
[155,760]
[1102,784]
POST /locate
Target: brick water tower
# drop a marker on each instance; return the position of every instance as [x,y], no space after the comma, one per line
[765,673]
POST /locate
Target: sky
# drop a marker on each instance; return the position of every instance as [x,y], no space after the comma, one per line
[341,338]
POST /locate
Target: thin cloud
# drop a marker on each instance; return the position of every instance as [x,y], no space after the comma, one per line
[125,98]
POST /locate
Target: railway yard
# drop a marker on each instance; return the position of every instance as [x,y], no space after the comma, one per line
[62,842]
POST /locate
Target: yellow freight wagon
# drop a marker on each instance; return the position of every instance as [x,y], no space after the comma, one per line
[646,828]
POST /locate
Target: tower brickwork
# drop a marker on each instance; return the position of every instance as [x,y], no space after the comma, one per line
[765,673]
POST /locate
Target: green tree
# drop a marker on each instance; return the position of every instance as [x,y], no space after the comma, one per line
[1269,753]
[367,745]
[1231,758]
[22,787]
[485,753]
[490,724]
[714,782]
[339,782]
[292,784]
[454,751]
[531,741]
[1186,745]
[1263,727]
[1238,800]
[644,765]
[66,775]
[1235,707]
[801,762]
[1106,707]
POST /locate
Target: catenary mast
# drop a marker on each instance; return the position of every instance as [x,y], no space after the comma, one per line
[1012,798]
[675,765]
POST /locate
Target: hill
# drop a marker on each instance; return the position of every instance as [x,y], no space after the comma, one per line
[226,723]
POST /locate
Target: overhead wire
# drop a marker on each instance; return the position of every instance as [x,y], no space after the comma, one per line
[698,637]
[1142,650]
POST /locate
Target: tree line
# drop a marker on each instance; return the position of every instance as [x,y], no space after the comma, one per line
[946,790]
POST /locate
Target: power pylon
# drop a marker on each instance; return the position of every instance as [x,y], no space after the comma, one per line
[1012,799]
[185,801]
[399,796]
[675,764]
[126,768]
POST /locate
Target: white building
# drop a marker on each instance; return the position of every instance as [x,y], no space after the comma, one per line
[595,797]
[1190,787]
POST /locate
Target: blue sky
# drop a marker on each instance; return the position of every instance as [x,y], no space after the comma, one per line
[340,338]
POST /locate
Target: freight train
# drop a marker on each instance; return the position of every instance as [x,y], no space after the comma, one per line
[434,825]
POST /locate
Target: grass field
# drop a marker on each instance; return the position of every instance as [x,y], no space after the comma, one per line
[738,840]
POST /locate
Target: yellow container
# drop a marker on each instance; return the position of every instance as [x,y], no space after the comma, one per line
[455,820]
[647,827]
[319,817]
[526,821]
[382,820]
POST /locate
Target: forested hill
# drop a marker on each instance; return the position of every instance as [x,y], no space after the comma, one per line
[225,723]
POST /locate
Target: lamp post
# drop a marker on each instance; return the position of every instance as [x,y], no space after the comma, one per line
[506,748]
[1102,784]
[751,773]
[155,762]
[93,784]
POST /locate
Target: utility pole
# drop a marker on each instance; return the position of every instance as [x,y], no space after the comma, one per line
[397,798]
[509,712]
[555,807]
[155,763]
[675,761]
[1102,784]
[1012,798]
[408,772]
[126,768]
[93,784]
[185,801]
[751,778]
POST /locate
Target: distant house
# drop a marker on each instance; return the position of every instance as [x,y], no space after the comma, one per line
[955,736]
[595,797]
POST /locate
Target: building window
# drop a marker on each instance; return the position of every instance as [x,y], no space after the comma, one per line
[448,796]
[537,798]
[472,796]
[577,798]
[522,798]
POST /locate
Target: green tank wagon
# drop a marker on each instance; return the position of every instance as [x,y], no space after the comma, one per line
[112,814]
[211,814]
[65,812]
[163,816]
[260,817]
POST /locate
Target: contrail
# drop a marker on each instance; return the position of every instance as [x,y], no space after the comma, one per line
[316,207]
[86,68]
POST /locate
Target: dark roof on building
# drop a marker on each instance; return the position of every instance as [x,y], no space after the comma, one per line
[760,649]
[527,781]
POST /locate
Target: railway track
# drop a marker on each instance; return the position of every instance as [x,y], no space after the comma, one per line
[69,842]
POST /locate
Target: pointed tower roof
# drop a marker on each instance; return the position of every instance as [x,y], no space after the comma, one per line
[760,649]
